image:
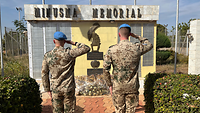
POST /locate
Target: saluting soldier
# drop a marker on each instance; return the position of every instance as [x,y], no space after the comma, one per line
[60,63]
[125,58]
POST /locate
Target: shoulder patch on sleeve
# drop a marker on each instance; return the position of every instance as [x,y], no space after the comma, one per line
[68,48]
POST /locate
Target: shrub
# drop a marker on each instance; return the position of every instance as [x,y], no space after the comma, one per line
[149,82]
[16,66]
[162,41]
[167,57]
[19,94]
[172,93]
[182,59]
[162,56]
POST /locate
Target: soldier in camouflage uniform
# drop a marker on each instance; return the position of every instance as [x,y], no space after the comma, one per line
[60,63]
[125,58]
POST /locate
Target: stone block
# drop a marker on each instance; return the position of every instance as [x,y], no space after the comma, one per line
[194,50]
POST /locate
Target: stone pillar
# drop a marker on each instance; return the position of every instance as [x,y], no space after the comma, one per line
[194,48]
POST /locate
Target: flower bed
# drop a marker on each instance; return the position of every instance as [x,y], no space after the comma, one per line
[172,93]
[93,85]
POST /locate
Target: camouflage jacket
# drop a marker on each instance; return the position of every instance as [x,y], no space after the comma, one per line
[60,63]
[125,58]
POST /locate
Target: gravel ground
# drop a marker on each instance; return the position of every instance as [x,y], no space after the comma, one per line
[180,68]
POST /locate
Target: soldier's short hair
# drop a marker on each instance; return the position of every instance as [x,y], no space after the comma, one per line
[124,31]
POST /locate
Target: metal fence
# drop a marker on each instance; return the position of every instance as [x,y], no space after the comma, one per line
[182,42]
[14,42]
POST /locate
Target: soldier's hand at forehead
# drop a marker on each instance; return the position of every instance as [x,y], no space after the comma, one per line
[70,42]
[134,35]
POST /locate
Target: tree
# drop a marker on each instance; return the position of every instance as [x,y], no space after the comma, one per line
[161,28]
[20,28]
[20,25]
[162,41]
[183,27]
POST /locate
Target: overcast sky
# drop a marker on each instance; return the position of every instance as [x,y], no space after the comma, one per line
[188,9]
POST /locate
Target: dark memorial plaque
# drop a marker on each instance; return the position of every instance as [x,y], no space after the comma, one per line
[95,55]
[94,71]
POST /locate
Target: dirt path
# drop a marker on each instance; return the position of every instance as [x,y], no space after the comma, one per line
[180,68]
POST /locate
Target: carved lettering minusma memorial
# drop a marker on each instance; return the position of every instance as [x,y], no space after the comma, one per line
[91,12]
[66,13]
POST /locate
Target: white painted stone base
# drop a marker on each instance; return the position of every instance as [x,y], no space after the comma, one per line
[194,48]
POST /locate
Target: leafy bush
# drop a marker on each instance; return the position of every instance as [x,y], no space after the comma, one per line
[16,66]
[172,93]
[177,93]
[162,56]
[149,82]
[162,41]
[19,94]
[182,59]
[167,57]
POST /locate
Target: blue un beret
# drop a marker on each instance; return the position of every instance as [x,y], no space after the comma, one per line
[60,36]
[125,25]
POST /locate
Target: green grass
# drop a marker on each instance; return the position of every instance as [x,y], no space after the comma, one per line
[18,65]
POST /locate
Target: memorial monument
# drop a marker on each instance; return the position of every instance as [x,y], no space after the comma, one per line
[94,25]
[95,55]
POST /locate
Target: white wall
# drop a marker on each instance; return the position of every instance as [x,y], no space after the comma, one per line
[194,48]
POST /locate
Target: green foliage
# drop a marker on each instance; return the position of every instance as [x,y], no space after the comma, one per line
[181,59]
[162,41]
[19,94]
[161,29]
[20,25]
[167,57]
[172,93]
[16,66]
[183,27]
[149,82]
[162,56]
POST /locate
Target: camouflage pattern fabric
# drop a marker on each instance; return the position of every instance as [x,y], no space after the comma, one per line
[125,103]
[125,58]
[60,63]
[68,98]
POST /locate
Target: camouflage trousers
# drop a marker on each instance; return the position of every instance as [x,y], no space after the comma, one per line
[125,103]
[63,102]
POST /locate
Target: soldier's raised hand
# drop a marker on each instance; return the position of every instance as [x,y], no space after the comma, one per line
[70,42]
[134,35]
